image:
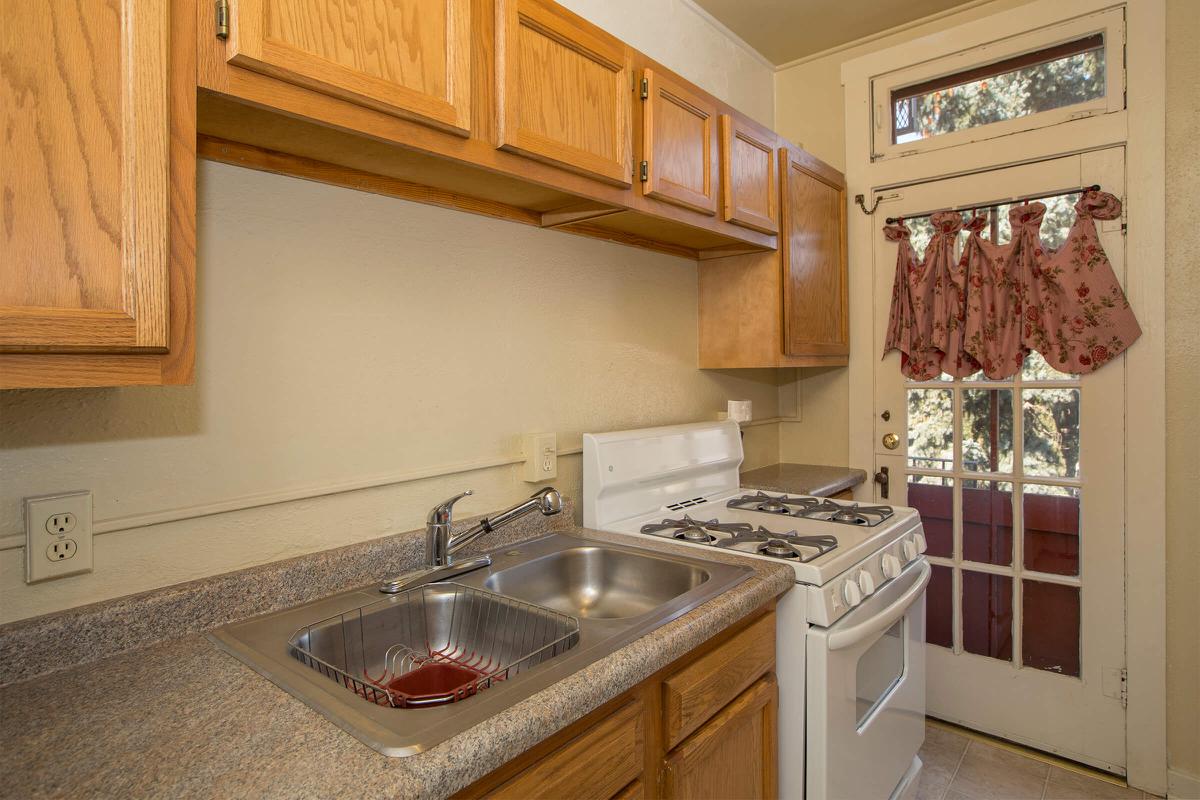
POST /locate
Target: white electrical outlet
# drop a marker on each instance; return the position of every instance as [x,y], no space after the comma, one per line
[58,536]
[541,457]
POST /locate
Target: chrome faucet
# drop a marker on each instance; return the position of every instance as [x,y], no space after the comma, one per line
[440,545]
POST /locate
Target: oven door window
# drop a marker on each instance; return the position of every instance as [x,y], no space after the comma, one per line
[879,671]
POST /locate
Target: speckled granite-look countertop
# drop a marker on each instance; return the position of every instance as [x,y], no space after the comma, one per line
[812,479]
[179,718]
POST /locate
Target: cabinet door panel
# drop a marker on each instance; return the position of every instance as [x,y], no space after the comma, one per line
[679,145]
[563,90]
[814,257]
[85,178]
[410,58]
[733,756]
[593,766]
[749,193]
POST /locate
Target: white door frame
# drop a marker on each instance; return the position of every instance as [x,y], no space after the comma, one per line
[1141,127]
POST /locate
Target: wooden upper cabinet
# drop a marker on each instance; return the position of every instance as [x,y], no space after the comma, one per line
[564,90]
[749,189]
[85,178]
[815,313]
[679,144]
[410,58]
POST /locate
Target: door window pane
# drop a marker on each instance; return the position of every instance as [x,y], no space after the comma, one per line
[987,510]
[1051,437]
[1051,523]
[879,669]
[987,614]
[1051,78]
[933,497]
[987,430]
[939,607]
[931,428]
[1050,639]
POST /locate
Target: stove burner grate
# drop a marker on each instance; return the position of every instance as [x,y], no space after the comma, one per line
[784,545]
[823,510]
[690,530]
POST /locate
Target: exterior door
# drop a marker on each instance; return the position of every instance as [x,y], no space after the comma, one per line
[410,58]
[1020,487]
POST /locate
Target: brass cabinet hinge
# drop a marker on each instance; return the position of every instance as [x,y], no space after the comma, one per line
[645,88]
[644,171]
[222,19]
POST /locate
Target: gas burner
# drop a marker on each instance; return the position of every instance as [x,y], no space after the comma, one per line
[852,514]
[783,545]
[690,530]
[760,501]
[813,508]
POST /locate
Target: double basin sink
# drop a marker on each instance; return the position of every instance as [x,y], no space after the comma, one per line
[585,598]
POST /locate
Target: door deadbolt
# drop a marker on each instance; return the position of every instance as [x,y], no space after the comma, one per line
[885,416]
[891,441]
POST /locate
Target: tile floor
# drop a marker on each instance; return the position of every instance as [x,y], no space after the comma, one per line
[959,767]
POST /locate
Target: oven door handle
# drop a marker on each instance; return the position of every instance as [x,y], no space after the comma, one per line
[839,640]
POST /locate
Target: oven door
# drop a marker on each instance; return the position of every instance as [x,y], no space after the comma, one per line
[866,692]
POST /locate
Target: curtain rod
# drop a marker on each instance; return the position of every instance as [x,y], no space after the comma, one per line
[1095,187]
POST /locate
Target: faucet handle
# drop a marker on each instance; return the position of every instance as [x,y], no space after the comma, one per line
[443,513]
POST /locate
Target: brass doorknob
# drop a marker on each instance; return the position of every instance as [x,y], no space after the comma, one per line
[891,441]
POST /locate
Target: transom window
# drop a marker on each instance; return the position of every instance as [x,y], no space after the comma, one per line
[1045,77]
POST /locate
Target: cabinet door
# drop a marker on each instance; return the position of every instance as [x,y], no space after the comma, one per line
[564,90]
[85,177]
[749,194]
[595,765]
[815,318]
[733,756]
[679,145]
[410,58]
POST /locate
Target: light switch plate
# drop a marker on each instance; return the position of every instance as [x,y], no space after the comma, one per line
[541,457]
[58,536]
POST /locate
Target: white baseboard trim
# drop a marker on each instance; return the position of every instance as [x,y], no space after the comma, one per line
[1182,786]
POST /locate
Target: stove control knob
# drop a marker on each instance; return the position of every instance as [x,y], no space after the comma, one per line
[866,582]
[919,541]
[889,565]
[909,548]
[851,593]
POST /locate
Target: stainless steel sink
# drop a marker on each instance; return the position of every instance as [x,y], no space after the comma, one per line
[598,582]
[612,593]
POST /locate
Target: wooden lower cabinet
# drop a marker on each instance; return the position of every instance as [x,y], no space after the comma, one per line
[689,731]
[733,755]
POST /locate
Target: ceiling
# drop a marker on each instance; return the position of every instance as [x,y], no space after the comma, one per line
[784,30]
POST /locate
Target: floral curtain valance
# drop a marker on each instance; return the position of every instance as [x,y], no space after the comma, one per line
[988,308]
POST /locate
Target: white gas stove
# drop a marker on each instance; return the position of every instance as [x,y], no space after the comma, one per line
[852,631]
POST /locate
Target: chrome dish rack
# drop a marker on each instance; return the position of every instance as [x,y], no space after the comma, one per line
[433,644]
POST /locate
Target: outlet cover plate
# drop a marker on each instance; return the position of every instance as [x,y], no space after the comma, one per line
[73,554]
[541,457]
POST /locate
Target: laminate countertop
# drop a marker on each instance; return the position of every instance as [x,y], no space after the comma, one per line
[811,479]
[180,718]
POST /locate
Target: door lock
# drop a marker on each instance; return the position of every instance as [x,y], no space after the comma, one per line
[886,415]
[891,441]
[884,481]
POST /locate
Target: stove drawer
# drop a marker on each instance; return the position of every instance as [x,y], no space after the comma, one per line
[697,692]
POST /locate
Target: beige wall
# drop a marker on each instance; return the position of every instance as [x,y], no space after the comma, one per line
[349,340]
[1183,386]
[816,84]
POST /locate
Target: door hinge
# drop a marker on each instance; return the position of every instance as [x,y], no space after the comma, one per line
[644,171]
[1124,688]
[222,19]
[645,88]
